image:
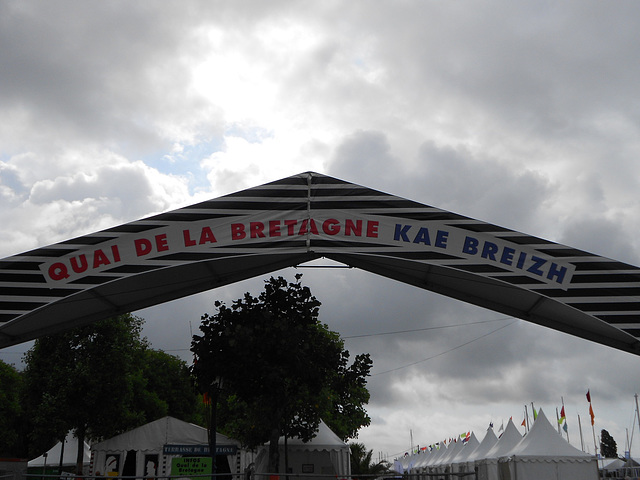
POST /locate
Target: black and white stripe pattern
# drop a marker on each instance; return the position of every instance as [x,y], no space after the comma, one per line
[307,216]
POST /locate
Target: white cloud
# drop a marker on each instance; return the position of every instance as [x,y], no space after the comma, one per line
[519,114]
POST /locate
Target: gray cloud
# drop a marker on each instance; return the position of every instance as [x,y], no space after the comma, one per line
[518,114]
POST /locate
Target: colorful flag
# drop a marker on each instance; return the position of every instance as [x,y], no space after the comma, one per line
[562,416]
[593,417]
[565,428]
[524,422]
[588,396]
[535,414]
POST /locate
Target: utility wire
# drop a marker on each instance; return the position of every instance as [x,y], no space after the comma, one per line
[426,328]
[446,351]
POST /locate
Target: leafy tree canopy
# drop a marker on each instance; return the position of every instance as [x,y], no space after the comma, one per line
[10,412]
[608,446]
[362,464]
[283,369]
[101,380]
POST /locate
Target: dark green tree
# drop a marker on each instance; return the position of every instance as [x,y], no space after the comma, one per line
[11,413]
[608,446]
[283,369]
[167,387]
[362,464]
[83,380]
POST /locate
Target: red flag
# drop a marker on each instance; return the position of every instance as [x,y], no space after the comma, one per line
[592,415]
[588,396]
[562,415]
[524,422]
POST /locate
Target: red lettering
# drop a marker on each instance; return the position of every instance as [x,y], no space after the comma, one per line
[372,228]
[237,231]
[274,228]
[331,226]
[83,263]
[58,271]
[256,229]
[308,226]
[161,242]
[116,253]
[207,236]
[99,258]
[290,224]
[350,227]
[143,246]
[186,234]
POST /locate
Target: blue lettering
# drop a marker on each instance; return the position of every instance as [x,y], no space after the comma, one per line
[422,236]
[507,255]
[537,263]
[555,272]
[470,246]
[521,258]
[401,232]
[441,239]
[489,251]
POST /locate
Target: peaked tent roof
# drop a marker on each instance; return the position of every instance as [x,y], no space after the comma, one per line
[486,444]
[544,441]
[470,446]
[69,456]
[458,448]
[440,453]
[301,218]
[324,439]
[153,435]
[509,439]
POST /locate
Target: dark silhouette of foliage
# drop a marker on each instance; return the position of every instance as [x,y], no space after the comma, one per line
[362,464]
[608,446]
[283,370]
[101,380]
[12,433]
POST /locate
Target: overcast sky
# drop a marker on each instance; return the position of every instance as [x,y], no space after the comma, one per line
[523,114]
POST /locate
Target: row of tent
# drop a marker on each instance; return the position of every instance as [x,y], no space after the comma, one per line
[541,453]
[142,452]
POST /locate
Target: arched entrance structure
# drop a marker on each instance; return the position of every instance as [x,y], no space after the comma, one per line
[304,217]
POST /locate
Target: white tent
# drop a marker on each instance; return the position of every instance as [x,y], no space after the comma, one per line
[421,460]
[481,450]
[443,464]
[69,455]
[144,447]
[543,453]
[488,467]
[459,463]
[440,453]
[325,454]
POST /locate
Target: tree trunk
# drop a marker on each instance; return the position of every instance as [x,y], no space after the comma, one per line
[274,451]
[80,457]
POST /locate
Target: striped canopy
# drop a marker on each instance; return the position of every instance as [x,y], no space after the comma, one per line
[301,218]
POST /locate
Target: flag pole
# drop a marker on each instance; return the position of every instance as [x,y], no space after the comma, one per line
[526,413]
[593,428]
[581,438]
[565,420]
[637,415]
